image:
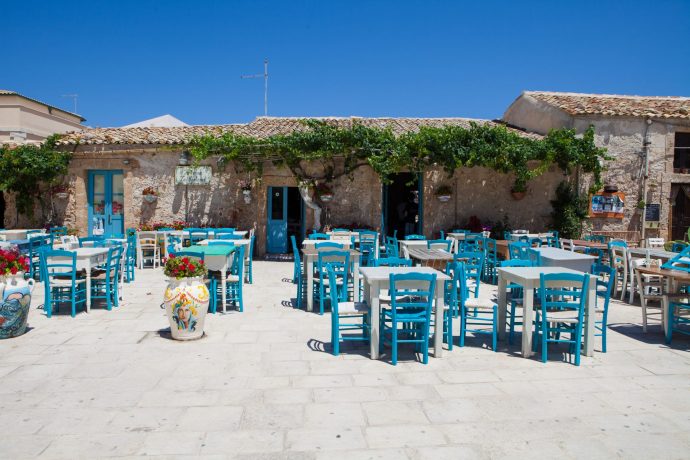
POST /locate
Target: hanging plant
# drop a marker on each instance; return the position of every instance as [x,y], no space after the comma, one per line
[324,192]
[60,191]
[444,193]
[150,194]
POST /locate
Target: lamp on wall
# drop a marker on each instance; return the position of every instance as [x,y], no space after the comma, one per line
[125,161]
[184,158]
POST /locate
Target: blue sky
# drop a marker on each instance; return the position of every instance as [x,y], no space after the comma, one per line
[131,60]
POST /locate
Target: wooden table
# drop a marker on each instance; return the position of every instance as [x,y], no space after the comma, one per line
[555,257]
[590,244]
[516,236]
[528,278]
[502,249]
[434,258]
[216,258]
[673,278]
[310,257]
[377,279]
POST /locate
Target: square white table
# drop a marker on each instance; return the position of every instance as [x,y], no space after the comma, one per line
[88,258]
[555,257]
[218,259]
[528,278]
[377,279]
[20,234]
[310,257]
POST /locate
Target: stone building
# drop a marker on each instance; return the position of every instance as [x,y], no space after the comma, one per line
[122,162]
[649,141]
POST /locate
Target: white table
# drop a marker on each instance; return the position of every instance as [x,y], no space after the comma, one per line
[312,243]
[405,245]
[528,278]
[310,257]
[555,257]
[20,234]
[377,279]
[516,236]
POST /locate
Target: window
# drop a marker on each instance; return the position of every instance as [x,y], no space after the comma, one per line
[681,153]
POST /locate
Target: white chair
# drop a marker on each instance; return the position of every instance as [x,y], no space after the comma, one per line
[619,262]
[651,289]
[567,245]
[655,243]
[69,242]
[147,248]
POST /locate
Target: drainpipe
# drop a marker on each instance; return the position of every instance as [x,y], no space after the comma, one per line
[646,142]
[304,193]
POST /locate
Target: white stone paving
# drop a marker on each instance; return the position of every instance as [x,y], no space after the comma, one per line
[262,385]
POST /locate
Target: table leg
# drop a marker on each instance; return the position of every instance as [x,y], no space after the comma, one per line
[527,318]
[372,297]
[223,286]
[666,308]
[88,286]
[590,316]
[356,294]
[309,267]
[502,306]
[438,330]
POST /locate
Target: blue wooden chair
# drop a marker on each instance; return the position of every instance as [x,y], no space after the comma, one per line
[130,257]
[196,234]
[596,238]
[226,236]
[367,247]
[507,235]
[104,282]
[340,230]
[296,271]
[553,240]
[605,279]
[339,261]
[91,242]
[475,313]
[679,262]
[346,316]
[56,233]
[37,244]
[392,247]
[518,250]
[536,242]
[678,246]
[473,242]
[490,261]
[329,244]
[408,320]
[534,257]
[473,267]
[174,244]
[439,244]
[562,297]
[62,282]
[319,236]
[235,280]
[516,298]
[415,237]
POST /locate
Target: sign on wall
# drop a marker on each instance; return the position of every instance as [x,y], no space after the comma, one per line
[610,205]
[652,212]
[193,175]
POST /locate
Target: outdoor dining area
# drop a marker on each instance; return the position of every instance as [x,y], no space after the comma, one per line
[554,292]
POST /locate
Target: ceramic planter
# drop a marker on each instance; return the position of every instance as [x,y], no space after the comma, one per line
[518,195]
[186,304]
[61,195]
[247,196]
[326,197]
[16,300]
[150,198]
[443,198]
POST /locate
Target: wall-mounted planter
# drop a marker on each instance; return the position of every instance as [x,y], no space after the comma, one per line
[62,195]
[517,196]
[326,197]
[247,196]
[150,198]
[443,198]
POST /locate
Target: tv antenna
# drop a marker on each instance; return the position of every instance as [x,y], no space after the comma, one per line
[265,77]
[74,98]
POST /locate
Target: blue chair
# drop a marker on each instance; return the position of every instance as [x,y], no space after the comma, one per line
[473,242]
[35,247]
[104,283]
[598,253]
[319,236]
[679,262]
[536,242]
[562,310]
[534,257]
[490,261]
[439,244]
[553,240]
[507,235]
[605,279]
[596,238]
[174,244]
[678,318]
[224,230]
[235,280]
[346,316]
[296,271]
[408,320]
[196,234]
[130,257]
[519,250]
[62,281]
[329,244]
[340,230]
[392,247]
[227,236]
[339,261]
[516,297]
[415,237]
[91,241]
[473,267]
[367,247]
[678,246]
[483,311]
[56,233]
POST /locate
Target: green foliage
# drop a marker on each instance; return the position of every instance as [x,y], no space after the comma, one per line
[30,171]
[569,210]
[451,147]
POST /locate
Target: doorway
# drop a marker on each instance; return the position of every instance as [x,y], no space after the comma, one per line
[285,218]
[402,205]
[106,195]
[680,217]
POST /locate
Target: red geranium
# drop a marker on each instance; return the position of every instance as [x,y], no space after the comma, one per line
[12,263]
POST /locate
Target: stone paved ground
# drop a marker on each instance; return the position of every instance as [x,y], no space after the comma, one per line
[261,386]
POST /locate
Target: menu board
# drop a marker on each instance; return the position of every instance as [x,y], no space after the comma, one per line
[652,212]
[607,205]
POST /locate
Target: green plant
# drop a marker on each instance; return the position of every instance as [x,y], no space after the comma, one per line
[184,267]
[444,190]
[569,211]
[641,204]
[30,171]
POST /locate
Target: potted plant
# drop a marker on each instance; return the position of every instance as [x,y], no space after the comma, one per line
[150,194]
[15,292]
[324,192]
[60,191]
[246,187]
[519,190]
[641,204]
[186,297]
[443,193]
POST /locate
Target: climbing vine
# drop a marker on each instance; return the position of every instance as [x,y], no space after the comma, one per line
[30,171]
[451,147]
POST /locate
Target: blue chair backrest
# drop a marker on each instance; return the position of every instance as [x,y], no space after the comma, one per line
[95,241]
[224,230]
[173,243]
[56,233]
[336,293]
[338,262]
[679,262]
[197,234]
[238,263]
[415,237]
[507,235]
[190,254]
[516,263]
[518,250]
[227,236]
[678,246]
[605,280]
[459,230]
[618,243]
[226,243]
[438,244]
[412,293]
[392,262]
[295,249]
[473,263]
[563,291]
[392,248]
[319,236]
[329,244]
[534,257]
[340,230]
[58,262]
[114,258]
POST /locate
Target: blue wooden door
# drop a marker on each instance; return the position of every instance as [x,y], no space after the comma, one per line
[106,196]
[277,238]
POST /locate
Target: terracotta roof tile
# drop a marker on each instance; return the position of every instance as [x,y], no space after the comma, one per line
[616,105]
[261,128]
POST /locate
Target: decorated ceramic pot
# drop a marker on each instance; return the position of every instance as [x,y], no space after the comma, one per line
[186,304]
[16,301]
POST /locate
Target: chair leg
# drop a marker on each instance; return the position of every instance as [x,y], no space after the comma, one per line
[394,343]
[494,332]
[335,336]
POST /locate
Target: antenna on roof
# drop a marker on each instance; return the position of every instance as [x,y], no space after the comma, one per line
[74,97]
[265,77]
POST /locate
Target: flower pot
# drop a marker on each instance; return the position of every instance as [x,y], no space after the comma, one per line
[443,198]
[247,196]
[150,198]
[326,197]
[62,195]
[518,195]
[16,300]
[186,304]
